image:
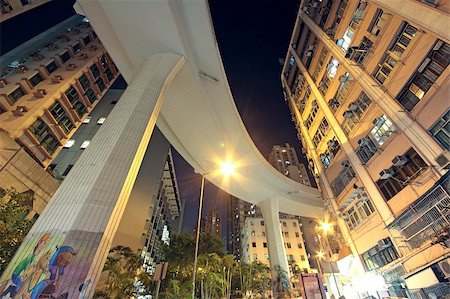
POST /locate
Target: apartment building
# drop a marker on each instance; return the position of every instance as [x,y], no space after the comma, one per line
[254,244]
[12,8]
[213,224]
[48,86]
[285,160]
[367,85]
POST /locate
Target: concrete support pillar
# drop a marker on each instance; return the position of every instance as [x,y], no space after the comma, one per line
[275,242]
[424,144]
[360,170]
[76,230]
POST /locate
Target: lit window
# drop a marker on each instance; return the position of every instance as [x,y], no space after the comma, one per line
[101,120]
[85,144]
[441,130]
[382,130]
[69,143]
[87,120]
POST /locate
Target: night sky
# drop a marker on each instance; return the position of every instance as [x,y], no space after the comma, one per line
[252,37]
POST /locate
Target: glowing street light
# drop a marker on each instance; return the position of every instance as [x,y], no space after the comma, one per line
[320,254]
[226,168]
[326,226]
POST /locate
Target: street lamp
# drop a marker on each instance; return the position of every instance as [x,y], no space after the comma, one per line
[226,168]
[326,227]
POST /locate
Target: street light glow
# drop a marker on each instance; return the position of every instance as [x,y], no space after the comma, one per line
[320,254]
[227,168]
[326,226]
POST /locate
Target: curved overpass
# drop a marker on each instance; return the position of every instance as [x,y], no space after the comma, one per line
[198,116]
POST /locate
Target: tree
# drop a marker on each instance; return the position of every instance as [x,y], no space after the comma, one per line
[255,279]
[282,284]
[122,269]
[14,226]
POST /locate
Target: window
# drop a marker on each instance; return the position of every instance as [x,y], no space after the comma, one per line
[355,112]
[16,94]
[288,245]
[358,213]
[65,56]
[302,258]
[366,149]
[100,84]
[69,143]
[264,244]
[321,132]
[331,151]
[253,233]
[263,234]
[382,130]
[380,255]
[441,130]
[251,223]
[101,120]
[297,234]
[341,181]
[346,84]
[76,48]
[254,244]
[45,138]
[84,82]
[290,257]
[51,67]
[61,117]
[72,95]
[262,222]
[87,120]
[299,245]
[358,14]
[294,224]
[87,39]
[85,144]
[90,94]
[403,175]
[312,114]
[428,72]
[95,71]
[255,257]
[378,22]
[286,234]
[266,256]
[332,68]
[109,74]
[397,48]
[35,79]
[284,223]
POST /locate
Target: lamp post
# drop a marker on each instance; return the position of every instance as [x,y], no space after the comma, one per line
[226,168]
[327,227]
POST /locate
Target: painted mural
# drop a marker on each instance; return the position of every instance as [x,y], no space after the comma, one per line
[41,271]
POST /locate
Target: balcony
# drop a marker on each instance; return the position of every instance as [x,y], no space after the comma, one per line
[427,216]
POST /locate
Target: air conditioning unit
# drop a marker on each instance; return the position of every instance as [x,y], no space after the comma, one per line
[387,173]
[333,102]
[310,47]
[345,164]
[378,121]
[348,114]
[314,104]
[309,54]
[400,160]
[353,107]
[445,267]
[332,143]
[382,242]
[343,78]
[364,141]
[423,65]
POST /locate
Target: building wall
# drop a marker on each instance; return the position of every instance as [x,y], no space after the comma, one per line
[25,160]
[357,114]
[12,8]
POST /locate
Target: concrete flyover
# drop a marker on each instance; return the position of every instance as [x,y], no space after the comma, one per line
[167,52]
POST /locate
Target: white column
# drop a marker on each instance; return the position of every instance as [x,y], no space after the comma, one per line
[275,241]
[360,170]
[82,217]
[416,134]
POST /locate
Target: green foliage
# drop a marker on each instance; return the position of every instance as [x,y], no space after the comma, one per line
[122,267]
[14,207]
[255,279]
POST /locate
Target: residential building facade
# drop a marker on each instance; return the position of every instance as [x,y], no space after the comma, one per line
[254,244]
[367,85]
[12,8]
[285,160]
[48,87]
[213,225]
